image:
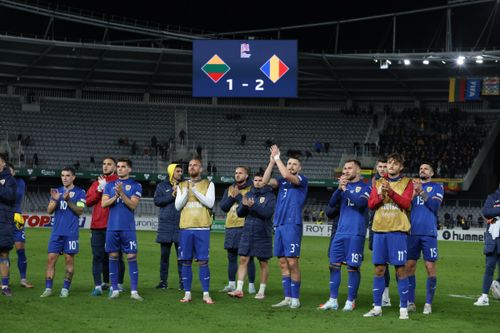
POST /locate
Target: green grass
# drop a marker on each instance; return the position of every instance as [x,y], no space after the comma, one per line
[460,270]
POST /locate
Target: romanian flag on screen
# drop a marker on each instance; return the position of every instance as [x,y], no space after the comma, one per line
[457,90]
[274,68]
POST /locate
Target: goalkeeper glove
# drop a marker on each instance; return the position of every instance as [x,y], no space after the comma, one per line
[102,183]
[19,221]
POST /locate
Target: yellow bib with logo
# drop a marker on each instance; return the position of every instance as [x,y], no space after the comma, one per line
[389,217]
[194,214]
[232,219]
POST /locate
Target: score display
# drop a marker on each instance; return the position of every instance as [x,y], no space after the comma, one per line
[245,68]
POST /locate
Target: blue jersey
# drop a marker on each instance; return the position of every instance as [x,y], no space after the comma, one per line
[353,208]
[121,218]
[65,220]
[423,216]
[21,188]
[290,201]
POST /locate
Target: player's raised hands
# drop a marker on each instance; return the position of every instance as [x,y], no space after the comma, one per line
[54,194]
[233,191]
[119,188]
[385,186]
[246,201]
[343,182]
[275,152]
[417,186]
[66,196]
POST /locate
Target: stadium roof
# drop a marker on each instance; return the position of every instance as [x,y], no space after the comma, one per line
[58,48]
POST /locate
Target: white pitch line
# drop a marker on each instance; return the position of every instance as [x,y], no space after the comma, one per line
[463,296]
[471,297]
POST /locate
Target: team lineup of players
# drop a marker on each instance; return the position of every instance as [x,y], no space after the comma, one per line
[400,235]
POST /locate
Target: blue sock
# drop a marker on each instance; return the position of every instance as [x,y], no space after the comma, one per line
[48,283]
[187,275]
[22,263]
[5,281]
[335,278]
[286,281]
[412,285]
[251,270]
[204,275]
[378,289]
[133,272]
[387,277]
[113,272]
[353,277]
[431,289]
[295,288]
[403,292]
[67,284]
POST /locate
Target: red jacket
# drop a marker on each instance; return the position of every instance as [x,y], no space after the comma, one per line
[99,214]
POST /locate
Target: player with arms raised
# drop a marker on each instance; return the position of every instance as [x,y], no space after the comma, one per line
[292,195]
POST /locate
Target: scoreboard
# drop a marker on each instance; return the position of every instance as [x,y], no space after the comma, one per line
[245,68]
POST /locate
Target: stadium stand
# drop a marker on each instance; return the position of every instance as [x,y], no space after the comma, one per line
[93,128]
[449,140]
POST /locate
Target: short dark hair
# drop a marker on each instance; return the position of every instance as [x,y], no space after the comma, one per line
[428,163]
[259,174]
[69,169]
[358,163]
[381,160]
[3,157]
[125,160]
[109,158]
[397,157]
[295,156]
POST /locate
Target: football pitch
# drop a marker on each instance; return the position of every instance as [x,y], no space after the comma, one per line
[460,269]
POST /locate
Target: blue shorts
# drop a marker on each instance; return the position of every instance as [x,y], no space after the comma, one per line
[425,244]
[389,248]
[287,240]
[19,236]
[232,238]
[124,241]
[63,244]
[348,249]
[194,244]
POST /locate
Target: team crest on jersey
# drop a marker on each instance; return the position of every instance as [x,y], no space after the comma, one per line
[2,181]
[71,194]
[429,189]
[128,187]
[262,199]
[358,189]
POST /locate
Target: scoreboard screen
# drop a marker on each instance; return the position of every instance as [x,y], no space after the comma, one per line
[245,68]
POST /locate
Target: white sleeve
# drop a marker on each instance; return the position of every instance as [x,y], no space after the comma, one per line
[207,200]
[180,198]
